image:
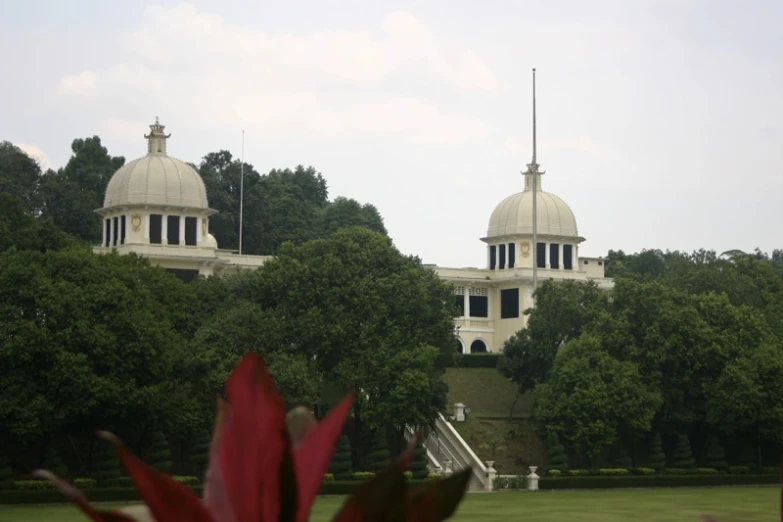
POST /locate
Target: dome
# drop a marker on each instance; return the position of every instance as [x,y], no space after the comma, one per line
[210,242]
[514,216]
[157,179]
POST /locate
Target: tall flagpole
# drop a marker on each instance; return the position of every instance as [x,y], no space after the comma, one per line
[534,169]
[241,191]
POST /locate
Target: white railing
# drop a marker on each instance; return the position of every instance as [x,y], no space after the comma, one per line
[461,453]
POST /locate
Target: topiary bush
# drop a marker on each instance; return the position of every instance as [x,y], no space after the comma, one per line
[159,455]
[418,465]
[716,457]
[340,466]
[657,458]
[618,457]
[682,456]
[556,457]
[105,467]
[6,479]
[53,462]
[379,454]
[199,454]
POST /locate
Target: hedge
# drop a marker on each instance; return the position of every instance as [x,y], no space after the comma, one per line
[50,496]
[483,360]
[654,481]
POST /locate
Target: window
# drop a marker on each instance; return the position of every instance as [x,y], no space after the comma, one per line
[156,229]
[492,257]
[568,257]
[459,301]
[173,230]
[478,346]
[122,230]
[512,255]
[509,303]
[108,233]
[459,346]
[479,302]
[554,255]
[116,227]
[541,255]
[190,230]
[502,255]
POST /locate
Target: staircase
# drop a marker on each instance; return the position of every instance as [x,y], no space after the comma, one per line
[447,450]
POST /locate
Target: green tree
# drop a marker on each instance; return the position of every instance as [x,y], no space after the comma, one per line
[344,212]
[158,454]
[682,456]
[716,457]
[20,177]
[378,459]
[591,397]
[72,194]
[556,457]
[562,311]
[23,231]
[656,458]
[105,467]
[340,466]
[418,465]
[6,478]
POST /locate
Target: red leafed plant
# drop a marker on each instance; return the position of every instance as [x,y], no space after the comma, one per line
[267,466]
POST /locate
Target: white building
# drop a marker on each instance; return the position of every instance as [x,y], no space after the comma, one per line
[157,207]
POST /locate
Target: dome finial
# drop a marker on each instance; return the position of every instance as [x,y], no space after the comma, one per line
[156,139]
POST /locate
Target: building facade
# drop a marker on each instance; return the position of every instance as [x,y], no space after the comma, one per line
[157,206]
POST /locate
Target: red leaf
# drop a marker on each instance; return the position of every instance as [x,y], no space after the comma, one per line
[313,454]
[76,496]
[168,500]
[252,443]
[438,500]
[215,497]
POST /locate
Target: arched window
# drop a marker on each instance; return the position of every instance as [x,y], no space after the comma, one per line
[460,349]
[478,346]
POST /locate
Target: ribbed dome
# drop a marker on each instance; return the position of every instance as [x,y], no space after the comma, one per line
[157,179]
[514,215]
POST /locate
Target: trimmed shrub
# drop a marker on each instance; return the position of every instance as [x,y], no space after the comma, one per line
[578,472]
[328,477]
[657,480]
[739,470]
[556,457]
[716,457]
[418,465]
[482,360]
[554,472]
[379,454]
[159,455]
[85,483]
[612,472]
[706,471]
[657,458]
[643,471]
[770,470]
[199,454]
[106,467]
[434,476]
[6,479]
[33,484]
[675,471]
[53,462]
[186,480]
[682,456]
[618,457]
[748,457]
[341,466]
[363,475]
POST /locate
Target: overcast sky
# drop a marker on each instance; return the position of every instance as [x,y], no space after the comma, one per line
[660,121]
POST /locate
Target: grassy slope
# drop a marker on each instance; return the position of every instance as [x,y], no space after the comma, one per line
[757,504]
[490,397]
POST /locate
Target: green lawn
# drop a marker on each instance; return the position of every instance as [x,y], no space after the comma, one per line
[735,504]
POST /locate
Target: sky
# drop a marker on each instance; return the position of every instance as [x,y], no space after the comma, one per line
[660,122]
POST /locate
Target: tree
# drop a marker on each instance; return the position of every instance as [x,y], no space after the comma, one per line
[656,458]
[556,457]
[23,231]
[20,177]
[6,478]
[378,459]
[716,457]
[72,194]
[373,320]
[340,466]
[418,465]
[562,311]
[344,212]
[591,397]
[158,454]
[682,456]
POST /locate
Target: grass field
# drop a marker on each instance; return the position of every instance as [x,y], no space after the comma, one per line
[735,504]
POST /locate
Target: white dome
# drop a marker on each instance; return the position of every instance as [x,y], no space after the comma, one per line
[514,216]
[210,242]
[156,179]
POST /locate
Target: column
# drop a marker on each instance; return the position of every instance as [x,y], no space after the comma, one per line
[560,255]
[113,231]
[182,230]
[546,255]
[467,301]
[164,233]
[505,264]
[489,255]
[103,244]
[575,258]
[198,231]
[147,227]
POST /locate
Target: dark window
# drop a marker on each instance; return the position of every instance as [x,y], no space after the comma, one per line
[568,257]
[512,255]
[554,255]
[173,230]
[156,229]
[492,257]
[459,346]
[115,225]
[122,230]
[502,255]
[479,306]
[190,230]
[478,346]
[600,263]
[459,300]
[108,233]
[509,303]
[183,274]
[541,255]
